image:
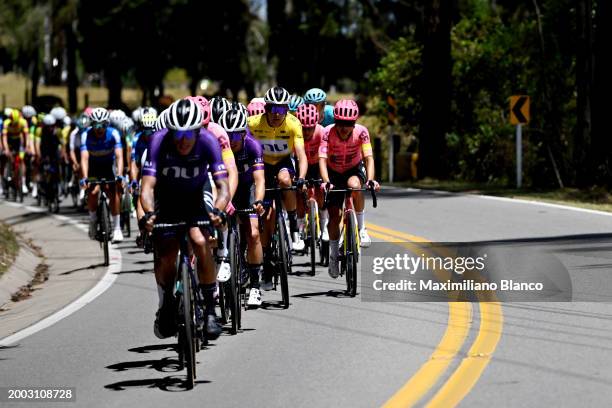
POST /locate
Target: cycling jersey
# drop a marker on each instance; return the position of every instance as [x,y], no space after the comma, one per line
[328,116]
[226,150]
[343,155]
[312,145]
[140,144]
[16,133]
[49,144]
[101,149]
[277,143]
[248,159]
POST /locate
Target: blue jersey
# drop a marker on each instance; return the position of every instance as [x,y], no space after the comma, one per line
[101,150]
[140,143]
[328,116]
[248,159]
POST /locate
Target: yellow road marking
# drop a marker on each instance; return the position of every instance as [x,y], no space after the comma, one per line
[471,368]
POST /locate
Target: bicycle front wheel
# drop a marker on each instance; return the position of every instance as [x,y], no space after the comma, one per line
[188,326]
[234,283]
[104,221]
[283,249]
[351,254]
[312,229]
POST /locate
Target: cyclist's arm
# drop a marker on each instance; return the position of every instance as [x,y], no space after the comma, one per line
[84,155]
[147,193]
[5,142]
[260,184]
[118,153]
[300,152]
[323,157]
[369,164]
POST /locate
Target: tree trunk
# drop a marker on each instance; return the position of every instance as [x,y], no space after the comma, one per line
[585,160]
[72,80]
[114,85]
[35,77]
[602,88]
[436,92]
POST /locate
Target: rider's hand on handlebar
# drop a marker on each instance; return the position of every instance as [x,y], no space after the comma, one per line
[373,184]
[230,208]
[120,180]
[300,184]
[258,206]
[83,182]
[147,222]
[217,217]
[325,187]
[134,185]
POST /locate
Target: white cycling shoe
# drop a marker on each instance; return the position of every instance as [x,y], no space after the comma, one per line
[254,297]
[117,236]
[334,268]
[298,242]
[364,238]
[24,189]
[34,191]
[324,235]
[224,273]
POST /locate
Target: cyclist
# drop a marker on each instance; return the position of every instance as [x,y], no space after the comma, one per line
[308,115]
[49,150]
[224,270]
[250,193]
[82,123]
[279,134]
[29,114]
[344,148]
[294,103]
[318,97]
[140,144]
[173,179]
[15,135]
[100,147]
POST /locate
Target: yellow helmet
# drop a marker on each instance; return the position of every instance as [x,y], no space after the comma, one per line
[15,115]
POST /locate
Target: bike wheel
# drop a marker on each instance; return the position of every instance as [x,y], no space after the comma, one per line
[234,285]
[283,249]
[126,210]
[312,229]
[351,255]
[223,303]
[104,221]
[188,327]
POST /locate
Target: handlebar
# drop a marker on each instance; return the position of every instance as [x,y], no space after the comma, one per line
[348,191]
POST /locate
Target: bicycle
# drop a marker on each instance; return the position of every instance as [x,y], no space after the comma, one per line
[312,232]
[280,244]
[190,314]
[12,175]
[103,222]
[50,185]
[126,211]
[350,248]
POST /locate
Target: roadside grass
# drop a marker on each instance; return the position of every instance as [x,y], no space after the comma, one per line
[595,198]
[8,247]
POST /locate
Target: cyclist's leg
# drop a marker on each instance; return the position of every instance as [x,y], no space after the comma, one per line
[357,180]
[165,275]
[334,207]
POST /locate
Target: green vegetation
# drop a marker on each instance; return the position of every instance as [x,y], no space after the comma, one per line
[8,247]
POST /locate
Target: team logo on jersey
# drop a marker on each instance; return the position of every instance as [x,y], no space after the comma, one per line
[181,172]
[275,146]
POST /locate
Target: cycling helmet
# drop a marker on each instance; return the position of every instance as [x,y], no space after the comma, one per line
[126,125]
[137,114]
[295,102]
[308,115]
[99,115]
[183,115]
[148,120]
[315,95]
[28,111]
[160,122]
[238,106]
[58,113]
[88,110]
[8,112]
[116,117]
[256,108]
[233,120]
[346,109]
[277,96]
[15,115]
[49,120]
[218,106]
[83,121]
[204,105]
[67,121]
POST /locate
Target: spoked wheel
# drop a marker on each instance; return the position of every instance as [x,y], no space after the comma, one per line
[234,282]
[104,221]
[312,229]
[283,268]
[126,208]
[352,255]
[187,327]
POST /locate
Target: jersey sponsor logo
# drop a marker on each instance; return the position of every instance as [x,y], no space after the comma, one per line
[181,172]
[275,146]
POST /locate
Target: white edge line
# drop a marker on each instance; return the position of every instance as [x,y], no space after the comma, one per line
[103,284]
[511,200]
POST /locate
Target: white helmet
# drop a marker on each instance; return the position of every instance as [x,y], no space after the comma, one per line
[184,114]
[277,96]
[8,112]
[28,111]
[49,120]
[99,115]
[116,116]
[67,121]
[234,120]
[160,122]
[137,114]
[58,113]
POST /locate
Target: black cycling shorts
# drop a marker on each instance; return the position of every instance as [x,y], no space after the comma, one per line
[340,180]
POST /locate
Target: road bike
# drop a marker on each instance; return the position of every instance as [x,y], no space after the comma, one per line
[103,222]
[312,231]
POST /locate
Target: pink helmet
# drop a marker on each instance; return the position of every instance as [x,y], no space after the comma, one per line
[346,109]
[256,108]
[204,105]
[88,110]
[308,114]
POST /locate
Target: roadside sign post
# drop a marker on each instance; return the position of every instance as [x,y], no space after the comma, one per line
[519,115]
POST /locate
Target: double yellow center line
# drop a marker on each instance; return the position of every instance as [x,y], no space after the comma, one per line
[463,379]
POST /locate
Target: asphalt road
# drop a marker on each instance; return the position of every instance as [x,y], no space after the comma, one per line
[330,350]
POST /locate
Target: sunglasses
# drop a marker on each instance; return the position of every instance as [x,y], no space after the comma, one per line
[99,125]
[184,134]
[236,136]
[345,123]
[279,110]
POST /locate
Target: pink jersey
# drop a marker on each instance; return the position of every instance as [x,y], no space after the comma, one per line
[226,149]
[312,145]
[343,155]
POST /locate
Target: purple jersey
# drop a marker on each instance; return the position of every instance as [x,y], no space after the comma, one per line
[187,174]
[249,159]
